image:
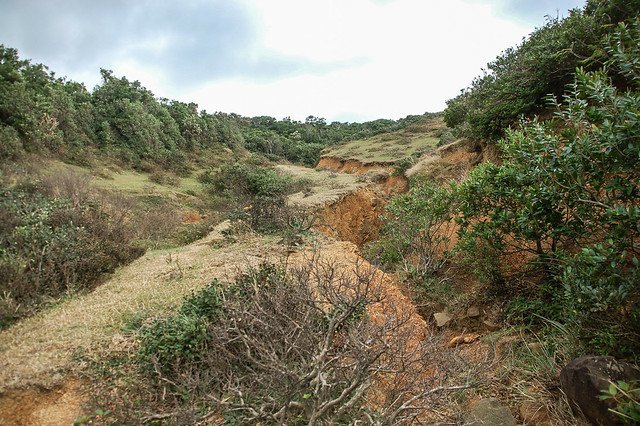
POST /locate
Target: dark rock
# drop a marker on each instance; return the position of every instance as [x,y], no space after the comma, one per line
[583,379]
[489,412]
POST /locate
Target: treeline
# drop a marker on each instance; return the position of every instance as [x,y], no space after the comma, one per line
[518,81]
[120,118]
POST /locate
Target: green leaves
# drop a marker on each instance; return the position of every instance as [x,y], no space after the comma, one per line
[627,398]
[517,81]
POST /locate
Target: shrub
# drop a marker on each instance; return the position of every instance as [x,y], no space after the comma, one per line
[517,82]
[417,229]
[294,347]
[566,196]
[51,245]
[627,398]
[256,194]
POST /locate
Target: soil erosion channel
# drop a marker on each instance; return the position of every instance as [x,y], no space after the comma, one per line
[38,384]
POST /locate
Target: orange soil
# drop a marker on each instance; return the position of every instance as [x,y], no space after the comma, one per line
[354,218]
[350,166]
[61,406]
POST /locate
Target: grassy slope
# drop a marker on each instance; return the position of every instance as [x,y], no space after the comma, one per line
[131,181]
[34,351]
[393,146]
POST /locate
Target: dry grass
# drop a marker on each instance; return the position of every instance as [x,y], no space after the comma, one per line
[323,187]
[390,147]
[37,350]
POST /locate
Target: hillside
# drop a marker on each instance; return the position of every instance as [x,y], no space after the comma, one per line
[165,265]
[391,147]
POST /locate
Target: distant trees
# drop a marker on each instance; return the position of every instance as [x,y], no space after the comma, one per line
[123,119]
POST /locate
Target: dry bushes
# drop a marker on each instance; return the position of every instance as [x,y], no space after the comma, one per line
[318,345]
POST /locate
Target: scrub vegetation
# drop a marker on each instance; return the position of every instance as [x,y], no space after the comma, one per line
[530,255]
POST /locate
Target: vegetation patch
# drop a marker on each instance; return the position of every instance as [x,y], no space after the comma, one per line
[393,146]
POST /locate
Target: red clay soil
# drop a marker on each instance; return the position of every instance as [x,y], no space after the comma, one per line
[27,407]
[351,166]
[355,217]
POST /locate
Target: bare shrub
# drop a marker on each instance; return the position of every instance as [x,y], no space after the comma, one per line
[319,345]
[156,224]
[73,186]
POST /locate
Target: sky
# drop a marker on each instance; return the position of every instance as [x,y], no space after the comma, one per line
[344,60]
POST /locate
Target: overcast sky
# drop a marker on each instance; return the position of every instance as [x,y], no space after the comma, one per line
[346,60]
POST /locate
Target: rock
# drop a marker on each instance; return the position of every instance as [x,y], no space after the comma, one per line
[473,312]
[463,338]
[442,318]
[535,414]
[491,326]
[489,412]
[583,379]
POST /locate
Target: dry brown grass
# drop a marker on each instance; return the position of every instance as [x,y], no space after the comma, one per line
[37,350]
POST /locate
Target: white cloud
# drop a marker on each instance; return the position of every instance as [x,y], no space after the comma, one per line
[416,55]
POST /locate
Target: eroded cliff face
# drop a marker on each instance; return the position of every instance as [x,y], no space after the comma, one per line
[351,166]
[355,217]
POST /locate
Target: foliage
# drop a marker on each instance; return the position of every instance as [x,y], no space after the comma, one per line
[417,231]
[517,82]
[123,119]
[567,193]
[559,212]
[289,347]
[255,194]
[54,241]
[627,398]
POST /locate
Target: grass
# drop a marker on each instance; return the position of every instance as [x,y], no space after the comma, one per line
[391,147]
[133,182]
[321,186]
[36,350]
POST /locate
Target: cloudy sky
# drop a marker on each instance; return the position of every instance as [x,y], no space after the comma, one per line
[347,60]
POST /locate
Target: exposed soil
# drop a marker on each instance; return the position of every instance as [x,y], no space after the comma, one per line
[355,217]
[351,166]
[26,407]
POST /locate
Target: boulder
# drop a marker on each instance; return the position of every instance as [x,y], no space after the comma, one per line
[583,379]
[490,412]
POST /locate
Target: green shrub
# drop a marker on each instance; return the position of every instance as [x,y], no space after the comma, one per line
[567,193]
[627,398]
[417,229]
[177,342]
[518,81]
[51,245]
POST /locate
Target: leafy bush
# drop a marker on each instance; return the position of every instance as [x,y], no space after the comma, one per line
[567,194]
[417,230]
[54,244]
[627,398]
[255,194]
[517,82]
